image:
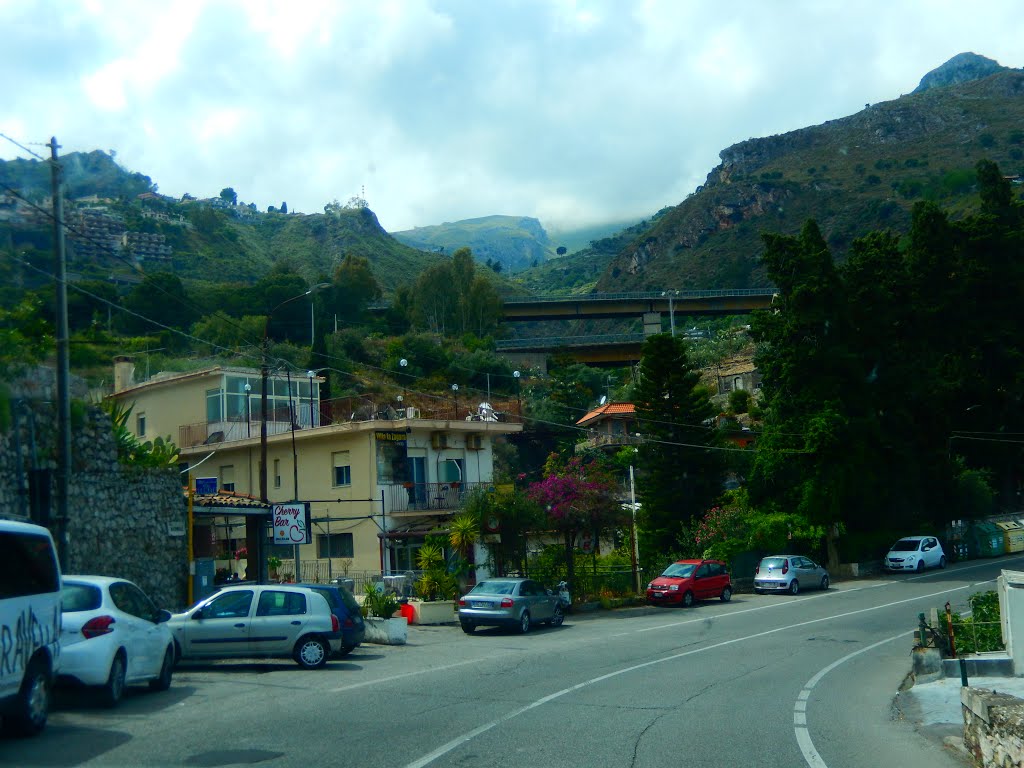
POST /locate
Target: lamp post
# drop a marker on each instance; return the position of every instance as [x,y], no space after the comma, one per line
[404,363]
[671,310]
[636,545]
[519,399]
[455,394]
[248,411]
[253,527]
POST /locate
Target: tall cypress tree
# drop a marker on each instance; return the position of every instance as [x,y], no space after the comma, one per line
[682,474]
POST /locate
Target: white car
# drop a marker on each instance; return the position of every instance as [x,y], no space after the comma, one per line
[915,553]
[246,621]
[113,635]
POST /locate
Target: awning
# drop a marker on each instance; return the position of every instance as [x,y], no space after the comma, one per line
[227,503]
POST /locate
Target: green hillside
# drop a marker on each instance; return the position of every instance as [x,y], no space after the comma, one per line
[514,242]
[853,175]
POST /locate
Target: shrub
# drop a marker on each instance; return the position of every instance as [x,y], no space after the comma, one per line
[377,602]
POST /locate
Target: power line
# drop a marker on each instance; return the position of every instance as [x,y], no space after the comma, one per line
[24,148]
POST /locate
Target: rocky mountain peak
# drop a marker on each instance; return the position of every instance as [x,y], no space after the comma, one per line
[962,68]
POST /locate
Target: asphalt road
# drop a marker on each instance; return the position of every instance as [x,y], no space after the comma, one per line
[767,681]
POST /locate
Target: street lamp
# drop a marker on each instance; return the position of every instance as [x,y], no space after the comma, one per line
[404,363]
[248,408]
[253,528]
[455,394]
[519,399]
[671,310]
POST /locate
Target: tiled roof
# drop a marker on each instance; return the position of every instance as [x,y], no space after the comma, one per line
[608,409]
[226,499]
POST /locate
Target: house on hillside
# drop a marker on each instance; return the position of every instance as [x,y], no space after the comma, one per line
[377,477]
[610,425]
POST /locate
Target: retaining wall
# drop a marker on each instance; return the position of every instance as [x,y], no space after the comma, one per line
[993,727]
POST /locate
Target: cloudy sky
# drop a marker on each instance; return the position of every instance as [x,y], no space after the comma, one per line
[573,111]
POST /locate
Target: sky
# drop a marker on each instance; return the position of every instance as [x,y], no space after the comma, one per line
[575,112]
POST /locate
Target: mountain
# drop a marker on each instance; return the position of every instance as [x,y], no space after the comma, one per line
[119,225]
[514,242]
[853,175]
[962,68]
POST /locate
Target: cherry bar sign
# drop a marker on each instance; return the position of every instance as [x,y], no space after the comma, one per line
[291,523]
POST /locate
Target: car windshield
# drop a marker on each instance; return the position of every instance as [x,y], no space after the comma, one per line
[773,562]
[679,570]
[80,597]
[494,588]
[906,545]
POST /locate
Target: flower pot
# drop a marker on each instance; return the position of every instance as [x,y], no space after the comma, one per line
[436,612]
[386,631]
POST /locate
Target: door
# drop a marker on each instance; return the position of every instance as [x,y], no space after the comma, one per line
[538,601]
[702,582]
[150,640]
[220,627]
[280,618]
[418,478]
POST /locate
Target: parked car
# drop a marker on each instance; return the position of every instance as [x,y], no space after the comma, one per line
[687,580]
[789,573]
[271,620]
[915,553]
[344,606]
[29,625]
[519,603]
[113,635]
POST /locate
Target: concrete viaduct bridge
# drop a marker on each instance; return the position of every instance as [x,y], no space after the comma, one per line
[617,349]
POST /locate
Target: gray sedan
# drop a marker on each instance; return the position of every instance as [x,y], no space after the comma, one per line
[789,573]
[516,603]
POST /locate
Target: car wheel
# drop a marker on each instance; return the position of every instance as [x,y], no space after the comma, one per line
[824,582]
[794,587]
[920,566]
[524,622]
[558,618]
[113,690]
[311,653]
[163,682]
[468,627]
[727,594]
[32,704]
[942,562]
[688,599]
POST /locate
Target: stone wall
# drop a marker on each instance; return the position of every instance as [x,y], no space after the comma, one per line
[122,521]
[993,727]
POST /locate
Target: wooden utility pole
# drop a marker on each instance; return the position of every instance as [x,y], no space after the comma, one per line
[63,360]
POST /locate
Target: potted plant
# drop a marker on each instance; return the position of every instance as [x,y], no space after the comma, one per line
[436,588]
[379,608]
[273,563]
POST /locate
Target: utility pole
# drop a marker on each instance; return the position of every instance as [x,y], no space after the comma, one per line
[63,362]
[636,547]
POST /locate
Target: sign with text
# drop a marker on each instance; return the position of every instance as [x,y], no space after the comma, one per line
[206,486]
[291,523]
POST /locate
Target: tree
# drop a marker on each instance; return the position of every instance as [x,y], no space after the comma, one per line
[681,470]
[229,195]
[352,288]
[561,250]
[578,498]
[284,207]
[159,302]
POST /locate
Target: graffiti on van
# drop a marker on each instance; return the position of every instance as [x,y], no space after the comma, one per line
[19,642]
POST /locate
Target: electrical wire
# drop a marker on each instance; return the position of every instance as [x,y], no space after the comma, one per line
[26,149]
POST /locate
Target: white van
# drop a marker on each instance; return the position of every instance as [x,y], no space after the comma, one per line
[30,619]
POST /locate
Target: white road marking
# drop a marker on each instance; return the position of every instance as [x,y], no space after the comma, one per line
[805,738]
[406,674]
[803,735]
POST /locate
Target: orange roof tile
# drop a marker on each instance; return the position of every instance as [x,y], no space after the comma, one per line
[608,409]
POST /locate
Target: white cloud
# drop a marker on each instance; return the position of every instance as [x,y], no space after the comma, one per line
[449,109]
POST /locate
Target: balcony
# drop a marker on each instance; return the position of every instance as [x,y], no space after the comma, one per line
[427,498]
[341,410]
[603,440]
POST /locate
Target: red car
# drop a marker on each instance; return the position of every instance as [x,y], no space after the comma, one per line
[687,580]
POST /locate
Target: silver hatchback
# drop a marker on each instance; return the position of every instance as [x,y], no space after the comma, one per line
[259,620]
[518,603]
[789,573]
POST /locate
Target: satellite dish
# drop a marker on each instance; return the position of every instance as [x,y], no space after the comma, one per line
[603,400]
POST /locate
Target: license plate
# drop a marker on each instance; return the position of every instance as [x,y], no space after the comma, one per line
[657,594]
[479,604]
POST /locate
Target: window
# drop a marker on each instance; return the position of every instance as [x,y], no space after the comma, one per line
[28,565]
[334,545]
[342,469]
[140,425]
[230,605]
[273,603]
[277,473]
[227,478]
[214,405]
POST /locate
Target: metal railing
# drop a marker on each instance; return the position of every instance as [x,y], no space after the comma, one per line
[427,497]
[359,408]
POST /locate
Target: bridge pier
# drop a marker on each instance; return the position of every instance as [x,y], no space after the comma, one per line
[652,323]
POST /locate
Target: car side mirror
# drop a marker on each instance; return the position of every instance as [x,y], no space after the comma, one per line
[162,616]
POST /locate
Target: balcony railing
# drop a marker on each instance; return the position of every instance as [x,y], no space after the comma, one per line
[601,439]
[427,497]
[347,409]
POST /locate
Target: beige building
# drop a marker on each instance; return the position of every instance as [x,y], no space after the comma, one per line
[378,474]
